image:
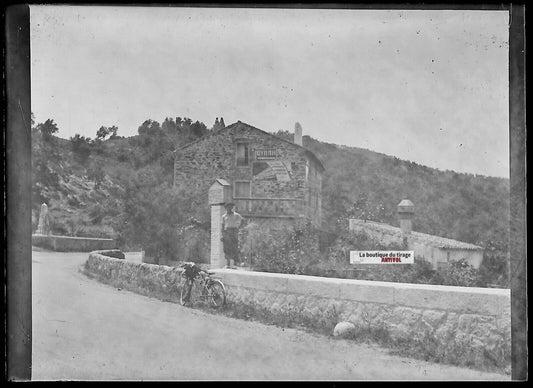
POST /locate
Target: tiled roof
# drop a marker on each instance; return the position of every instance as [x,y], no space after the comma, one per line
[428,239]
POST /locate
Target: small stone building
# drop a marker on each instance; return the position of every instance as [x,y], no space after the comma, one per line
[439,251]
[273,181]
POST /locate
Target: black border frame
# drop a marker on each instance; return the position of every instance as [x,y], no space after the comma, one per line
[17,168]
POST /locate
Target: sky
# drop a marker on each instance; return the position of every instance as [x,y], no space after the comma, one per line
[426,86]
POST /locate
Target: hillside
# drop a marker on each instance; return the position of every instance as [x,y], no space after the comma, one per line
[121,187]
[466,207]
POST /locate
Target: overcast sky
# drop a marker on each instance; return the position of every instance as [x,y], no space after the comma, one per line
[425,86]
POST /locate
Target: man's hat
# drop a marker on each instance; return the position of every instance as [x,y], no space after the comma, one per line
[228,204]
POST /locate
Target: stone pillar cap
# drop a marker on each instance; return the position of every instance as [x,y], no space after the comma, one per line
[406,206]
[222,182]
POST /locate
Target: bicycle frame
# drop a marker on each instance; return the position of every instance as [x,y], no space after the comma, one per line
[200,287]
[203,280]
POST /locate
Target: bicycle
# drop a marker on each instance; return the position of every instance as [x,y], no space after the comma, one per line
[200,285]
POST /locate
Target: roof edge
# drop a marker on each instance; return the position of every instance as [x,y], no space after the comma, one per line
[421,235]
[307,152]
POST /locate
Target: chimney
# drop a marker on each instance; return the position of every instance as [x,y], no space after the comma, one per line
[406,211]
[298,134]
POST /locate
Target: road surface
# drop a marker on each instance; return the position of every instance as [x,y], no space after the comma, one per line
[85,330]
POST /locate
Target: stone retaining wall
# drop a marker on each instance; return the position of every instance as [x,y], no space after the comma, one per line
[153,280]
[72,244]
[458,325]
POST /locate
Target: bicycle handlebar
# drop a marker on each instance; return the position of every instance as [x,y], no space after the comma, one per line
[201,271]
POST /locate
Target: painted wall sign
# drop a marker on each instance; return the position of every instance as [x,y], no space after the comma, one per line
[266,154]
[272,170]
[279,168]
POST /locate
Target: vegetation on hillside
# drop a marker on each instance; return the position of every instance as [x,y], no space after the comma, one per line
[122,188]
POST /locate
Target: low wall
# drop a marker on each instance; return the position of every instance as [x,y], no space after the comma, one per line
[72,244]
[152,280]
[458,325]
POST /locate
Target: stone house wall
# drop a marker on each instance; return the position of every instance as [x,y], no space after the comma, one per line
[197,165]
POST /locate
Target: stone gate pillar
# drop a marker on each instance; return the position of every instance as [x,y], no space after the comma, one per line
[219,194]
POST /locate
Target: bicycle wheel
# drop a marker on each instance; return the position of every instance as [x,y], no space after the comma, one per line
[185,293]
[217,293]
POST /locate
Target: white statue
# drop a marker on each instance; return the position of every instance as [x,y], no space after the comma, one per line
[44,222]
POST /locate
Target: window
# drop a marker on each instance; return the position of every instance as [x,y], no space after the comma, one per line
[242,189]
[242,153]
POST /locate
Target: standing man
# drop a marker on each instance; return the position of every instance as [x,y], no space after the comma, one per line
[231,221]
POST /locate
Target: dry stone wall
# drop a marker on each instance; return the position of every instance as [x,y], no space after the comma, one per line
[153,280]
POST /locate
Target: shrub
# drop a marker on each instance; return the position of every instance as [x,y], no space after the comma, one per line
[96,173]
[494,269]
[153,215]
[123,155]
[282,251]
[459,273]
[192,245]
[96,213]
[73,201]
[81,148]
[96,231]
[421,272]
[59,227]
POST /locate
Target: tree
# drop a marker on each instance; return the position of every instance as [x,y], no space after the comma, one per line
[96,173]
[46,162]
[154,212]
[289,251]
[104,132]
[460,273]
[218,124]
[198,129]
[167,164]
[169,126]
[47,129]
[81,148]
[189,131]
[113,130]
[494,269]
[150,128]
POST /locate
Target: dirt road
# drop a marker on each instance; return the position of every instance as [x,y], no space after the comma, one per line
[84,330]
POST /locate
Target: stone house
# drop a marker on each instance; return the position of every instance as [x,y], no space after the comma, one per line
[439,251]
[273,181]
